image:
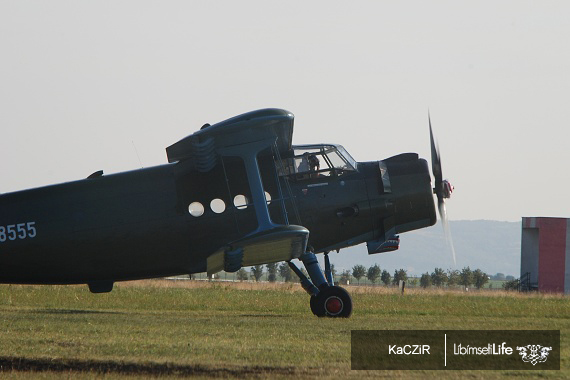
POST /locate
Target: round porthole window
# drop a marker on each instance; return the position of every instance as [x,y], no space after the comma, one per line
[240,201]
[218,206]
[196,209]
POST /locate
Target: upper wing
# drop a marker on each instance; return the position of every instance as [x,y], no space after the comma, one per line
[204,146]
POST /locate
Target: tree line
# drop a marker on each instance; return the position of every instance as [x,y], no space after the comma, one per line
[466,278]
[438,278]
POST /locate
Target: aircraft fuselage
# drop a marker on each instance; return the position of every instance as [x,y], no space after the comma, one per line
[137,224]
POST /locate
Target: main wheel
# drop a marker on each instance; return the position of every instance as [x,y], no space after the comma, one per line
[333,301]
[318,311]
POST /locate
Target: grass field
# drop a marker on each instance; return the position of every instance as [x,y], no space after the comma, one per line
[170,329]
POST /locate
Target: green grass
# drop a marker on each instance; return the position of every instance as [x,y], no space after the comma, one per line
[227,330]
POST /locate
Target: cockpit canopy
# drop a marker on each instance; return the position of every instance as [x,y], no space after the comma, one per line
[317,160]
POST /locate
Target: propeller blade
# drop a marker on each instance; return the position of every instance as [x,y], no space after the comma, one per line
[442,189]
[435,161]
[446,229]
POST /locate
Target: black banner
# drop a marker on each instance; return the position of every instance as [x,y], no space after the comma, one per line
[455,349]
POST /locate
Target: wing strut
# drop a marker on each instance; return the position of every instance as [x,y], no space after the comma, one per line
[248,153]
[288,187]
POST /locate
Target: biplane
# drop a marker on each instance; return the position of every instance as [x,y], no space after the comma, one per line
[233,194]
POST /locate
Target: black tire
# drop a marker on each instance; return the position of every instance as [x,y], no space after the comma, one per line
[318,311]
[332,302]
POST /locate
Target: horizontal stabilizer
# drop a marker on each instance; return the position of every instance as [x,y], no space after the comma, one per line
[281,243]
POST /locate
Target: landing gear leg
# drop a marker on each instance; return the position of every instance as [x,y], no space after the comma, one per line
[327,300]
[328,271]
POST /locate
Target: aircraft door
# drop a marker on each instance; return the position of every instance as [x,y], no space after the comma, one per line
[217,204]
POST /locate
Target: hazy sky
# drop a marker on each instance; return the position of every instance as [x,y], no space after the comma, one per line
[82,83]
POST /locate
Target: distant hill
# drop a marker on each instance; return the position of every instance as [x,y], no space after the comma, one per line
[492,246]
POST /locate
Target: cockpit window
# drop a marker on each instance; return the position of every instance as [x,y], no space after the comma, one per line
[313,161]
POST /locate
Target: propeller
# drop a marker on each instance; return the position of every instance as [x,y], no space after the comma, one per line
[442,189]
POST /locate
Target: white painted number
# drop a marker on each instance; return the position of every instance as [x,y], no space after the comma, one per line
[31,229]
[19,231]
[11,232]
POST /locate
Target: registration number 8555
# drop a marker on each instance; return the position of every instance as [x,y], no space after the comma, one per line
[18,231]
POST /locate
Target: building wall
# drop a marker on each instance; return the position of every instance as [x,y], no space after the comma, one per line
[545,253]
[567,255]
[529,253]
